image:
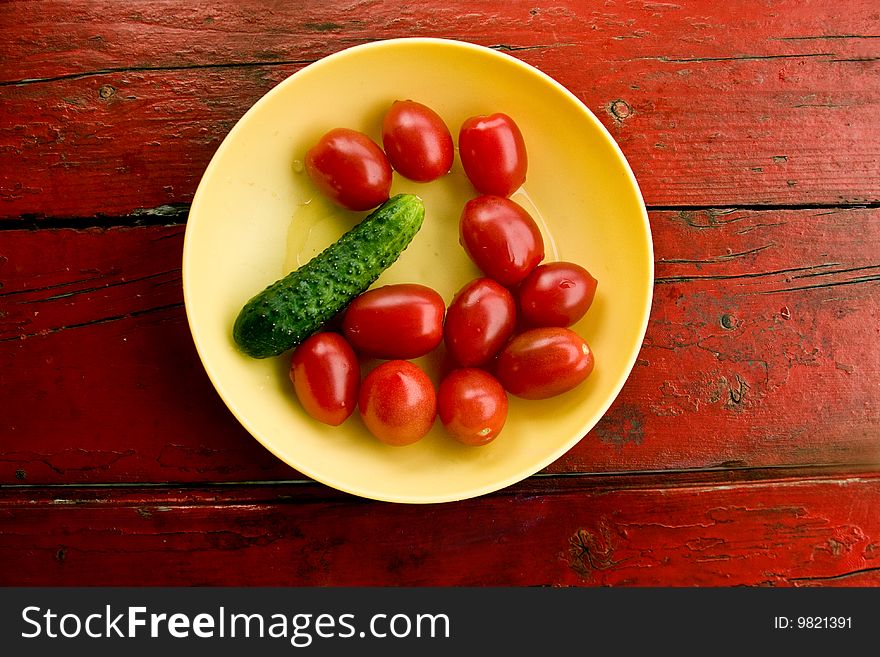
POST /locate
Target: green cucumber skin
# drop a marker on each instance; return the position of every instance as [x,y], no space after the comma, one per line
[293,308]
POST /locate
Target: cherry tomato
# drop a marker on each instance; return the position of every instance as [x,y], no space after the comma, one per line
[479,321]
[397,402]
[501,238]
[417,142]
[350,168]
[556,294]
[325,373]
[493,154]
[544,362]
[395,321]
[472,406]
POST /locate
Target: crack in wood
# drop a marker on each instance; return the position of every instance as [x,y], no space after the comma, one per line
[54,286]
[691,60]
[722,277]
[855,59]
[810,271]
[823,37]
[64,295]
[837,271]
[758,207]
[828,105]
[93,322]
[831,578]
[715,259]
[543,46]
[253,64]
[851,281]
[147,69]
[222,494]
[162,215]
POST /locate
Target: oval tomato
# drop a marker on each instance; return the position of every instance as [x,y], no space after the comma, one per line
[417,142]
[479,321]
[350,168]
[325,374]
[556,294]
[397,402]
[493,154]
[395,321]
[544,362]
[501,238]
[472,406]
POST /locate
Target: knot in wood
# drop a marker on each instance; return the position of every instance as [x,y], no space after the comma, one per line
[620,110]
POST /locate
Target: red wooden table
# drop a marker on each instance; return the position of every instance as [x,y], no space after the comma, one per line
[744,449]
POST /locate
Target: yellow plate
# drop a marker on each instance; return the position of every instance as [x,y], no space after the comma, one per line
[256,215]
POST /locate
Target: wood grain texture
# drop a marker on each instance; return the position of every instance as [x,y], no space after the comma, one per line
[760,351]
[114,107]
[811,532]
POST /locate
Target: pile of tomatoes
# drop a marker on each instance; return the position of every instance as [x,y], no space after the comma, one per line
[506,331]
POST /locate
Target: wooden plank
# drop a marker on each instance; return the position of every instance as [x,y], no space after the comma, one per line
[97,332]
[118,144]
[760,352]
[760,348]
[713,105]
[67,38]
[811,532]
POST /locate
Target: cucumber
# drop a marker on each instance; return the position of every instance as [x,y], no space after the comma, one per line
[295,307]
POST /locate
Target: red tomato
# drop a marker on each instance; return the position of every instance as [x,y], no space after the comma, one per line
[472,406]
[479,321]
[417,142]
[544,362]
[501,238]
[325,373]
[556,294]
[395,321]
[350,168]
[493,154]
[397,402]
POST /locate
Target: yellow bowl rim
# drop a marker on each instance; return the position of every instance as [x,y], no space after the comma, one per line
[587,426]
